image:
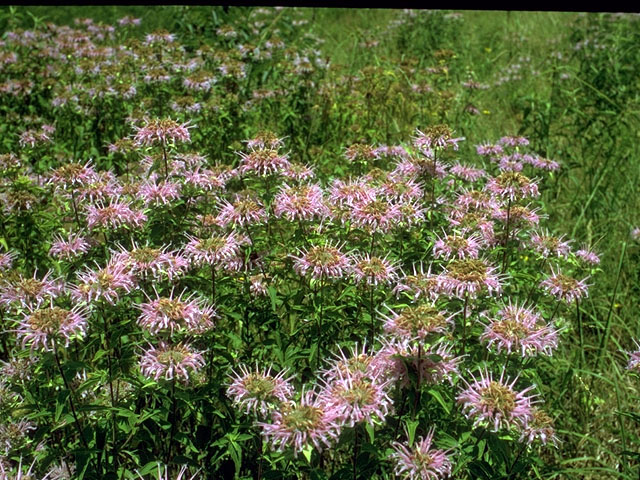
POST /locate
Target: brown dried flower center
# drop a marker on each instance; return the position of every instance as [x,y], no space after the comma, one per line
[470,270]
[324,256]
[302,418]
[420,317]
[48,320]
[172,308]
[145,254]
[499,398]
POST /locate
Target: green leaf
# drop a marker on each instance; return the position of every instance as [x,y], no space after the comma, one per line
[370,430]
[436,394]
[412,425]
[148,468]
[307,451]
[62,397]
[273,297]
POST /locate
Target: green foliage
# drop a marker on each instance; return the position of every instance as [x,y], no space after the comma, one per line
[341,83]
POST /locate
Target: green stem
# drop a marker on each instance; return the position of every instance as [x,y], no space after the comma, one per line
[372,317]
[166,163]
[319,336]
[113,400]
[554,312]
[172,420]
[581,332]
[524,445]
[355,452]
[71,393]
[213,283]
[506,238]
[464,323]
[607,327]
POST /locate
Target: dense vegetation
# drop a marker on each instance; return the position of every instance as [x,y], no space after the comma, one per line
[316,243]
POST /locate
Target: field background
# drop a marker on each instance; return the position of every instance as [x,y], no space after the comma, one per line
[581,109]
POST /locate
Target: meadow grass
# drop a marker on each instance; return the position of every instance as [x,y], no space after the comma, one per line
[580,110]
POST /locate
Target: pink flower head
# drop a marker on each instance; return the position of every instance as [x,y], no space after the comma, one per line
[265,140]
[128,20]
[264,161]
[355,362]
[519,216]
[114,215]
[512,186]
[417,322]
[243,211]
[433,364]
[495,403]
[356,398]
[258,288]
[475,200]
[104,187]
[303,202]
[564,287]
[588,256]
[346,193]
[361,152]
[458,246]
[514,141]
[419,167]
[548,245]
[402,189]
[33,137]
[171,362]
[186,162]
[212,250]
[539,427]
[412,212]
[511,163]
[375,213]
[43,326]
[176,314]
[397,151]
[471,221]
[72,175]
[298,171]
[437,137]
[30,292]
[489,149]
[373,270]
[422,461]
[467,172]
[106,283]
[206,179]
[634,358]
[13,436]
[469,277]
[259,391]
[419,284]
[520,328]
[68,248]
[323,261]
[7,259]
[159,36]
[162,131]
[542,163]
[199,82]
[147,260]
[307,422]
[159,193]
